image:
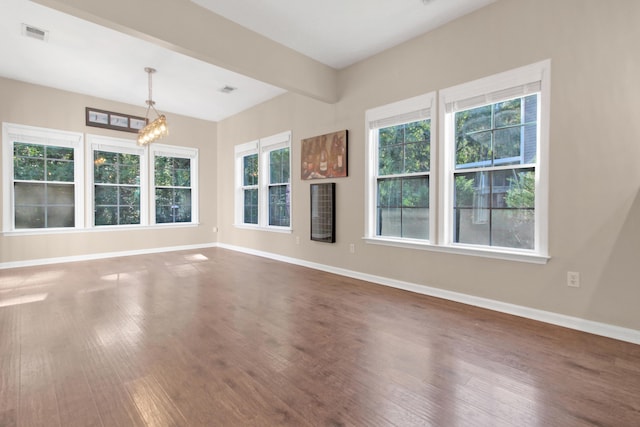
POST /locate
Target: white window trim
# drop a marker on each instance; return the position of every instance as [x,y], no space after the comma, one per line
[241,151]
[262,147]
[405,111]
[537,72]
[181,152]
[441,171]
[44,136]
[116,145]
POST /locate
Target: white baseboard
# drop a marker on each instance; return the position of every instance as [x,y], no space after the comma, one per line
[589,326]
[88,257]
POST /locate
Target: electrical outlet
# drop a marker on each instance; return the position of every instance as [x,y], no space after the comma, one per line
[297,240]
[215,229]
[573,279]
[352,248]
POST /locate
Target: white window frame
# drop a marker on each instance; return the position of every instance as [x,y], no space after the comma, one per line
[242,151]
[43,136]
[115,145]
[263,147]
[406,111]
[533,78]
[181,152]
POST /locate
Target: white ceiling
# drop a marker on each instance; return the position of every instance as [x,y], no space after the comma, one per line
[339,33]
[86,58]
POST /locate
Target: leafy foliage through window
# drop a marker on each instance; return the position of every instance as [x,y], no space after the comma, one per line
[44,190]
[116,179]
[279,177]
[172,189]
[495,160]
[403,180]
[250,188]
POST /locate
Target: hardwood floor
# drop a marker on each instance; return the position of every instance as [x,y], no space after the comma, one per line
[214,337]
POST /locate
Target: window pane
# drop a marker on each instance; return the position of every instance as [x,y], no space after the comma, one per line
[417,157]
[391,135]
[130,196]
[29,194]
[28,169]
[106,215]
[30,216]
[250,170]
[129,215]
[106,195]
[118,203]
[403,207]
[251,206]
[20,149]
[59,170]
[473,150]
[495,208]
[471,208]
[415,192]
[60,216]
[473,120]
[61,194]
[418,131]
[173,205]
[172,172]
[390,192]
[60,153]
[404,148]
[279,166]
[182,177]
[508,113]
[279,205]
[520,192]
[389,222]
[415,223]
[163,171]
[104,167]
[513,228]
[390,160]
[129,175]
[507,146]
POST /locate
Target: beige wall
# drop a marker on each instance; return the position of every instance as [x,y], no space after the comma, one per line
[594,204]
[27,104]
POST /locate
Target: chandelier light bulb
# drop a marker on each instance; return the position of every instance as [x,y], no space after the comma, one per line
[157,128]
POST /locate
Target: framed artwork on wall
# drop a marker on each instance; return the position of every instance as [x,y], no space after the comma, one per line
[323,212]
[325,156]
[116,121]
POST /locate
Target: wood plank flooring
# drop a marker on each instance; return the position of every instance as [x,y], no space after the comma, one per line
[218,338]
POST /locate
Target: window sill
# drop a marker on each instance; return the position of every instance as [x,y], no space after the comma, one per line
[98,229]
[469,250]
[273,229]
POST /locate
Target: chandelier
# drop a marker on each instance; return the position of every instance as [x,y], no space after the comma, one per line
[157,128]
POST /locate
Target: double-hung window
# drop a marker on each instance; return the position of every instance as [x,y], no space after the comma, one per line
[488,161]
[119,174]
[399,164]
[263,183]
[43,181]
[175,175]
[250,188]
[495,160]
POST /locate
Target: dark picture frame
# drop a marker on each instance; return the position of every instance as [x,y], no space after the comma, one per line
[115,121]
[325,156]
[323,212]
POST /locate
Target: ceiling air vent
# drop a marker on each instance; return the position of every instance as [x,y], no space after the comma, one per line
[228,89]
[35,33]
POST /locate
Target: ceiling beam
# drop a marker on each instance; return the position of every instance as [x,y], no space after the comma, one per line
[187,28]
